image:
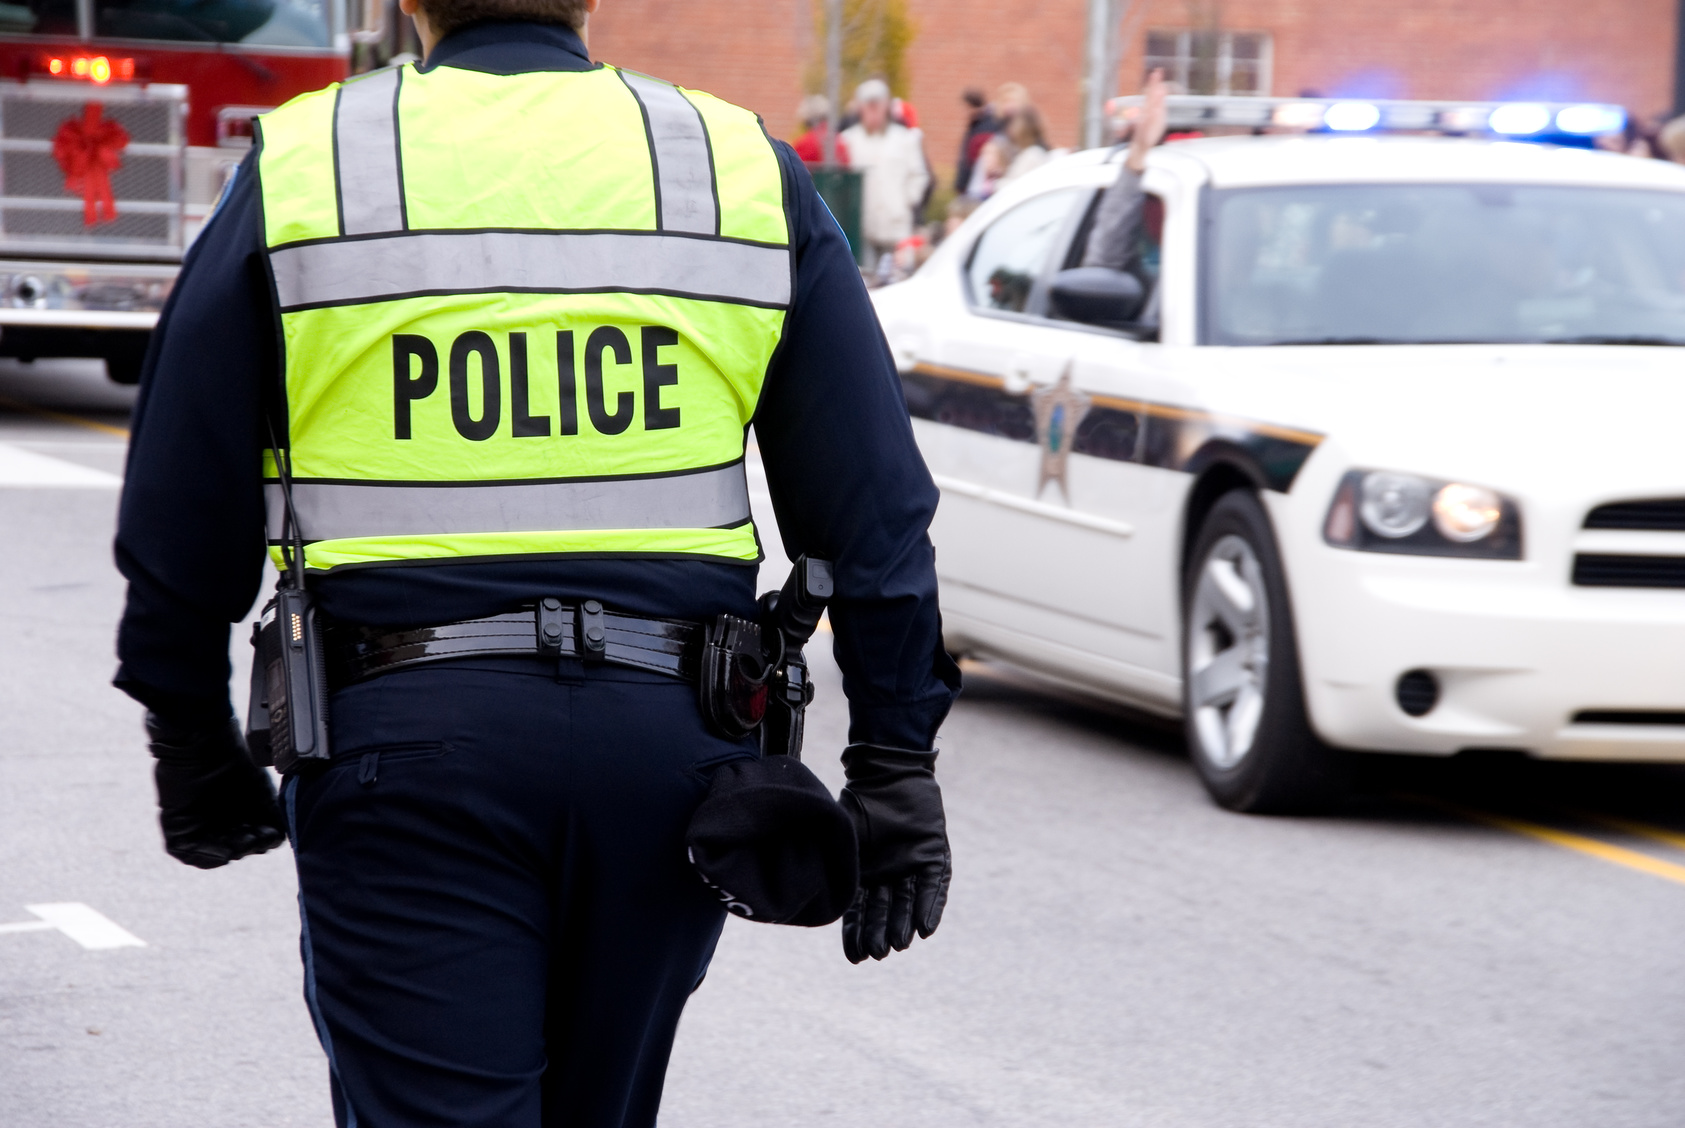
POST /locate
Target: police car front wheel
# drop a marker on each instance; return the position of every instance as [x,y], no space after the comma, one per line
[1247,732]
[123,353]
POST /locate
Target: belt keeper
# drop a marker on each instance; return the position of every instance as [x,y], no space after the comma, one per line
[552,627]
[593,631]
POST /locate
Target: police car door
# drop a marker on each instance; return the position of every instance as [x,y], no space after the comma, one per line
[1107,413]
[1036,545]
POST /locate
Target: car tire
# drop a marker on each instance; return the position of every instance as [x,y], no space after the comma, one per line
[1243,700]
[124,352]
[123,368]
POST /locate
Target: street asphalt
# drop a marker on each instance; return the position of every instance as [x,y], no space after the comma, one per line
[1469,943]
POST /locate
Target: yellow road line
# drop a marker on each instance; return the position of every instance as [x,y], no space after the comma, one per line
[1579,843]
[93,424]
[1673,838]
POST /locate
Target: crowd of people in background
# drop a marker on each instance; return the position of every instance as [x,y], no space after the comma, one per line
[879,136]
[1003,141]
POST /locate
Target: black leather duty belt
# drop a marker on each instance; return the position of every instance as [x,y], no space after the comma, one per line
[552,629]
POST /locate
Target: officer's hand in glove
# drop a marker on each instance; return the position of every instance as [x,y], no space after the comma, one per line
[904,860]
[214,804]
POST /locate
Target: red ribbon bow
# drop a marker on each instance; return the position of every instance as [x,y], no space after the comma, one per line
[88,151]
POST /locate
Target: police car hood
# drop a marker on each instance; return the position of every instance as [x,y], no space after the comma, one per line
[1568,420]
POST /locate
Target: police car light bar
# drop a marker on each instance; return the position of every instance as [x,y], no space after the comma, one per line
[1365,115]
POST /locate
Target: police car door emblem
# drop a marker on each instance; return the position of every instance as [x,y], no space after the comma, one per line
[1059,410]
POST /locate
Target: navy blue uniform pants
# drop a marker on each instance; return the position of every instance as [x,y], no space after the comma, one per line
[501,927]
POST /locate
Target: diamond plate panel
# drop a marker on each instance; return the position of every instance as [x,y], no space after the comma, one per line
[147,123]
[146,187]
[38,174]
[32,224]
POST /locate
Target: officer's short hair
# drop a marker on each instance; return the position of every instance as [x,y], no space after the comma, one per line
[447,16]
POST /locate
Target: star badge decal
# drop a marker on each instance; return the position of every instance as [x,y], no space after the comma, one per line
[1059,410]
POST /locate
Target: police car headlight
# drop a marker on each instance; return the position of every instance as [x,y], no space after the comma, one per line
[1466,514]
[1394,505]
[1384,511]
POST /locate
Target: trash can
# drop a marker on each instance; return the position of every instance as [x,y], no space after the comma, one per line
[840,188]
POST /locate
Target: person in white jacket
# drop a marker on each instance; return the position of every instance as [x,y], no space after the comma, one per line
[892,158]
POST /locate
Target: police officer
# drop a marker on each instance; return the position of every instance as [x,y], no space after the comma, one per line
[508,316]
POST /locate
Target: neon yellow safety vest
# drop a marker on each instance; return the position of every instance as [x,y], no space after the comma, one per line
[522,314]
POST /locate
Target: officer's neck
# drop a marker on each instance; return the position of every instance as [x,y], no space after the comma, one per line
[509,47]
[425,32]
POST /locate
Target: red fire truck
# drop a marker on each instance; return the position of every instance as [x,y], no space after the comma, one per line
[120,121]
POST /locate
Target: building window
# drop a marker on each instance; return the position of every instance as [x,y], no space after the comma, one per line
[1212,62]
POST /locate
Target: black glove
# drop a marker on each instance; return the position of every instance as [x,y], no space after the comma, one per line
[904,860]
[214,804]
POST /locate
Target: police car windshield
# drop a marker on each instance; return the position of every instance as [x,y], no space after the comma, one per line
[1445,263]
[264,23]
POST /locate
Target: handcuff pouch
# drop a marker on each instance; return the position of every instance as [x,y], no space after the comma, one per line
[734,675]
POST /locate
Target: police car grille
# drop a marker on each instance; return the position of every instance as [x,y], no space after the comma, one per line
[1669,717]
[1610,570]
[1666,514]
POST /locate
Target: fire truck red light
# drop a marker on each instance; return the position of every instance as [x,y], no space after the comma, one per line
[99,69]
[55,66]
[123,68]
[79,68]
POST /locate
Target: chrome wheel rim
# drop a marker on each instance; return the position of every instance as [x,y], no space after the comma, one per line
[1228,652]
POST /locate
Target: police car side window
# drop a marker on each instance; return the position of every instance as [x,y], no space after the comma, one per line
[1013,253]
[1149,239]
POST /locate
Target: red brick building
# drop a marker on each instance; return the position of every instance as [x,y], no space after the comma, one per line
[755,52]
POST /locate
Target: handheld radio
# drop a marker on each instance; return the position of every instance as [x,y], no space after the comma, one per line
[287,721]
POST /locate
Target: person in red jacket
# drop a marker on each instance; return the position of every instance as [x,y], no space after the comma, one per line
[816,121]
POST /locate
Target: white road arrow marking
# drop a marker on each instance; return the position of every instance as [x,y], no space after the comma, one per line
[19,467]
[27,926]
[89,928]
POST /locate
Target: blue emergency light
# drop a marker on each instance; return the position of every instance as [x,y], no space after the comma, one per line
[1351,117]
[1576,121]
[1520,119]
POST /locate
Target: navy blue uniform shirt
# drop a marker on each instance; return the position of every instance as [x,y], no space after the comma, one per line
[847,481]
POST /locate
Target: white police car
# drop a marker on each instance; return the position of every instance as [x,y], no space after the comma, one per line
[1392,458]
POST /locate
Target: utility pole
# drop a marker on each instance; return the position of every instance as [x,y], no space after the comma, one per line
[1100,70]
[1679,61]
[833,75]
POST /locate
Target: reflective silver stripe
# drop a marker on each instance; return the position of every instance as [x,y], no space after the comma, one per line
[706,499]
[365,126]
[450,262]
[683,167]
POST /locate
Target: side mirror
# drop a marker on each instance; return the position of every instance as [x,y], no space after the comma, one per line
[1097,295]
